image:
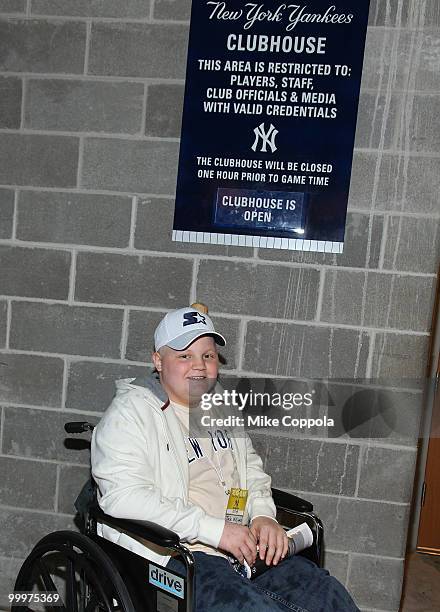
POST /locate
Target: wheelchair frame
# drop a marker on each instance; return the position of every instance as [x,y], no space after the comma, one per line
[128,589]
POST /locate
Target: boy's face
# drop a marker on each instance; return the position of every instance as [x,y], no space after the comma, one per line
[190,370]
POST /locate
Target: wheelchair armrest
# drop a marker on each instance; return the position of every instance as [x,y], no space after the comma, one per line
[143,529]
[291,502]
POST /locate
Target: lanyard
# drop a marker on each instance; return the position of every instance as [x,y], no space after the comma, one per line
[217,468]
[219,473]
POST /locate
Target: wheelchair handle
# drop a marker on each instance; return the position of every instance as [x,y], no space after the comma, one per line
[75,427]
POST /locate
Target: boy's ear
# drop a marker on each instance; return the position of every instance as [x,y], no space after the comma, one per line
[157,360]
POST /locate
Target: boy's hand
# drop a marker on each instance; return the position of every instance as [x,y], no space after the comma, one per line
[239,541]
[272,539]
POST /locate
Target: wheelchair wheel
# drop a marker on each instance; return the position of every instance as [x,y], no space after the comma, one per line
[78,570]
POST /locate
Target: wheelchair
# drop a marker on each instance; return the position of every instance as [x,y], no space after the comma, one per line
[83,572]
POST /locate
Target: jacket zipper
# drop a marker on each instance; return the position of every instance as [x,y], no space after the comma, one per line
[171,445]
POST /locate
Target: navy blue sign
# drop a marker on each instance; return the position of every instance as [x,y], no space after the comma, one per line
[247,209]
[271,100]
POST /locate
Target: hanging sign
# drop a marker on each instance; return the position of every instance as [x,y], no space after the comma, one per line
[271,101]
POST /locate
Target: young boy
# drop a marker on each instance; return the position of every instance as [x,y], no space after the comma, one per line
[149,467]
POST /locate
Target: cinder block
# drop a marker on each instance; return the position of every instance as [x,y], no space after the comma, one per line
[31,379]
[19,487]
[362,410]
[157,236]
[416,293]
[298,350]
[337,565]
[418,131]
[25,529]
[3,322]
[420,181]
[401,59]
[84,106]
[91,386]
[72,479]
[422,48]
[412,245]
[34,272]
[309,465]
[233,287]
[9,568]
[141,326]
[363,235]
[97,8]
[378,13]
[141,331]
[10,103]
[343,297]
[41,161]
[395,182]
[79,330]
[42,46]
[387,474]
[409,14]
[400,357]
[139,50]
[138,281]
[164,110]
[415,60]
[372,528]
[72,218]
[363,180]
[40,434]
[12,6]
[228,354]
[379,47]
[377,118]
[376,582]
[6,213]
[175,10]
[375,300]
[130,165]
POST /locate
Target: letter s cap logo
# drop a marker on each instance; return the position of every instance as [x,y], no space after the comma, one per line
[191,318]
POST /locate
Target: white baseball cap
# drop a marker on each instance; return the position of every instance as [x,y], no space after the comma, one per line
[181,327]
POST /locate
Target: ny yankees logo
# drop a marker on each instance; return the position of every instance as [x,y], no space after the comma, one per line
[190,318]
[268,138]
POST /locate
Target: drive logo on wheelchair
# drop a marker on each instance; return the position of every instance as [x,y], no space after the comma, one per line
[167,581]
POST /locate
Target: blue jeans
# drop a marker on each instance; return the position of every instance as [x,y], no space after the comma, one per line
[295,584]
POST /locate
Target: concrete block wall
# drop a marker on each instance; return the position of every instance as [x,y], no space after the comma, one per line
[89,127]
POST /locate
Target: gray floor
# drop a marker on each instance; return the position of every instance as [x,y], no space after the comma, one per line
[422,589]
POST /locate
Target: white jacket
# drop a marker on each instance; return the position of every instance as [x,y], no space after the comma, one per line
[140,464]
